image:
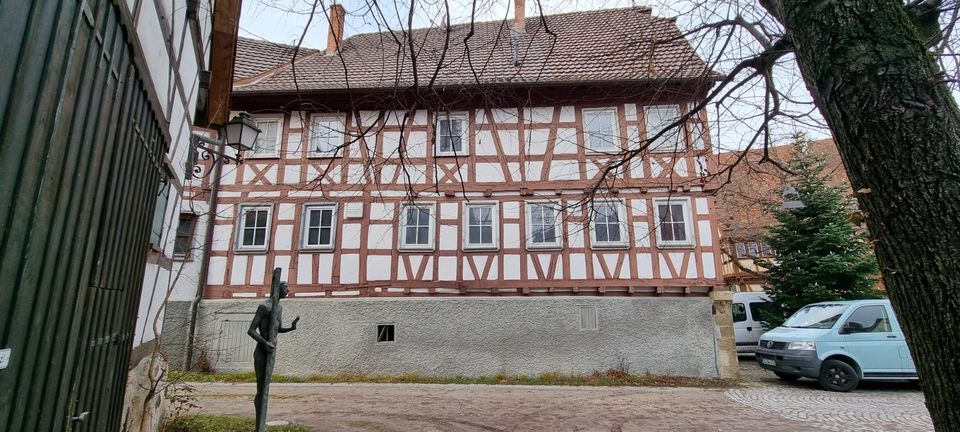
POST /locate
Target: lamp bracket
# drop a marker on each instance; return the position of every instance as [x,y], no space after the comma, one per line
[209,149]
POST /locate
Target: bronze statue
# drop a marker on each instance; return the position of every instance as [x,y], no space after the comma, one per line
[267,322]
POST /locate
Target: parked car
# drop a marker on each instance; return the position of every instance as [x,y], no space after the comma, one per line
[839,344]
[747,326]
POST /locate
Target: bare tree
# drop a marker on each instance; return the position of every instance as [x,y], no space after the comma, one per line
[879,72]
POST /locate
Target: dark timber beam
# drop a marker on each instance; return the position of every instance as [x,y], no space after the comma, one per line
[226,20]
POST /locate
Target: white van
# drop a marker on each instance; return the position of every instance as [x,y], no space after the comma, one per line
[747,327]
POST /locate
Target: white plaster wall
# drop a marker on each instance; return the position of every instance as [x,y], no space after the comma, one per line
[172,72]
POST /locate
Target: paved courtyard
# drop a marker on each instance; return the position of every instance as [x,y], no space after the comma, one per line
[765,404]
[885,406]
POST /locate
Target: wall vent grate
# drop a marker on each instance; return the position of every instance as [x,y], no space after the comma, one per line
[588,318]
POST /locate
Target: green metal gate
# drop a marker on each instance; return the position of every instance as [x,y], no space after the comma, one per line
[80,168]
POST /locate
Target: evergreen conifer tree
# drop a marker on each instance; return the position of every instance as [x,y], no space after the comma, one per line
[820,254]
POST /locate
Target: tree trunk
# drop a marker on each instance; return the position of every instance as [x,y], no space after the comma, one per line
[898,131]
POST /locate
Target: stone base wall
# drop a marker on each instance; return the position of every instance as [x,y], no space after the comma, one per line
[176,332]
[469,336]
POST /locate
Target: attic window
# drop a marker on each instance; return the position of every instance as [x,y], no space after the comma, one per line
[600,130]
[659,118]
[451,134]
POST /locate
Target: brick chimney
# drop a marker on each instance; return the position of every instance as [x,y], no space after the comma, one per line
[519,22]
[335,35]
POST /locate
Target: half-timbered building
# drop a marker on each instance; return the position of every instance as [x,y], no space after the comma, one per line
[744,204]
[520,197]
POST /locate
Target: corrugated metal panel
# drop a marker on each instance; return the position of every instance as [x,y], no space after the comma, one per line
[80,166]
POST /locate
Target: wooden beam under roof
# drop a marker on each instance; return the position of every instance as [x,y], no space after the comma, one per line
[226,20]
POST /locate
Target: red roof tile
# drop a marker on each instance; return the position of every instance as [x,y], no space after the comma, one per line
[614,45]
[742,204]
[255,57]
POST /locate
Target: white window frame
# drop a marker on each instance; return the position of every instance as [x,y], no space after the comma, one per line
[624,241]
[241,214]
[663,144]
[305,226]
[494,221]
[432,225]
[254,154]
[687,225]
[558,225]
[336,133]
[463,134]
[614,135]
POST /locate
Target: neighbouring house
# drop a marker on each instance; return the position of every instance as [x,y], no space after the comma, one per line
[463,211]
[743,207]
[98,101]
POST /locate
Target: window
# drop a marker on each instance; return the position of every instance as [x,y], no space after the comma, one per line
[543,226]
[868,319]
[319,226]
[253,232]
[416,231]
[758,309]
[752,249]
[659,118]
[451,134]
[481,226]
[160,209]
[600,130]
[673,222]
[326,135]
[385,333]
[608,224]
[765,249]
[739,312]
[184,241]
[741,250]
[268,142]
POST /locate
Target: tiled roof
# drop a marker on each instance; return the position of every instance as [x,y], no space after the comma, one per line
[742,204]
[613,45]
[255,57]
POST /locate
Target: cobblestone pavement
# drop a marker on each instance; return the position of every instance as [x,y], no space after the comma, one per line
[472,408]
[763,404]
[887,406]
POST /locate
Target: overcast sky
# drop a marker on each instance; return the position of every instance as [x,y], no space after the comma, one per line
[284,21]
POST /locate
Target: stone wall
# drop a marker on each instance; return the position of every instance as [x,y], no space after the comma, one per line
[176,331]
[471,336]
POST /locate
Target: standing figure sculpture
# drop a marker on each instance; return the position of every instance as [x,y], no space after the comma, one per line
[267,323]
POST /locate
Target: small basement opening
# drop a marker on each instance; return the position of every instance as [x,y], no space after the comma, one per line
[384,332]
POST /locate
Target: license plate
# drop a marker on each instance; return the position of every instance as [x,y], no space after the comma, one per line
[768,362]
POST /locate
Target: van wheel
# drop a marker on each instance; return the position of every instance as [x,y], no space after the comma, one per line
[786,376]
[838,376]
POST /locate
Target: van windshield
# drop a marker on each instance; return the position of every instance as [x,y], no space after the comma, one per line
[819,316]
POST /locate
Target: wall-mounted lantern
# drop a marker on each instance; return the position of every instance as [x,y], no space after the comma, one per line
[240,134]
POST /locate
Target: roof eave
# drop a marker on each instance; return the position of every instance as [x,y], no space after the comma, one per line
[698,81]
